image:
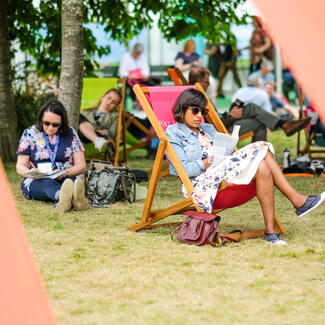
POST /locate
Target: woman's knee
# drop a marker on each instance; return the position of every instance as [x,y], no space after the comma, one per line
[263,169]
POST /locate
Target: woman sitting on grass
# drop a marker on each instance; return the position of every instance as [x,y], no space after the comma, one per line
[193,144]
[51,145]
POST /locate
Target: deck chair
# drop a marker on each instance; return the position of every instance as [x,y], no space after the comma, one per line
[157,103]
[312,147]
[93,89]
[179,80]
[177,77]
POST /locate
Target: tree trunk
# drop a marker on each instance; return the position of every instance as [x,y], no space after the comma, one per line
[72,59]
[8,118]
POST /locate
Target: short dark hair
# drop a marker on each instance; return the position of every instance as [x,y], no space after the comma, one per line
[197,74]
[237,103]
[189,97]
[56,107]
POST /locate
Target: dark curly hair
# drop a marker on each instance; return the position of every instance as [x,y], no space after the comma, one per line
[189,97]
[56,107]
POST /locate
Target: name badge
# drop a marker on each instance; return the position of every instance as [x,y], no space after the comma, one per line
[45,167]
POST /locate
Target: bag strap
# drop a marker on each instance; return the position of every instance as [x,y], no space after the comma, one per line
[201,215]
[172,233]
[124,188]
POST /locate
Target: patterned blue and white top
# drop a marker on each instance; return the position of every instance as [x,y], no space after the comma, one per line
[32,144]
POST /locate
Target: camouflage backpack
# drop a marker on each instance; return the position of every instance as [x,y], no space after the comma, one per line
[108,184]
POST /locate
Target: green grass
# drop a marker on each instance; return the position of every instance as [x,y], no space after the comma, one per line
[97,272]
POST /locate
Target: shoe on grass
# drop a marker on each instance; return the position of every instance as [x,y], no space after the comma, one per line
[65,197]
[274,239]
[79,200]
[312,202]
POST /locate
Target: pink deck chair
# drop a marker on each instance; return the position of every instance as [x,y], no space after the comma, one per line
[157,102]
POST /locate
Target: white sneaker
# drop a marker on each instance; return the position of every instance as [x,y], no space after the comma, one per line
[101,144]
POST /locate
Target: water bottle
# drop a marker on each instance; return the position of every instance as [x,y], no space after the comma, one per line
[286,158]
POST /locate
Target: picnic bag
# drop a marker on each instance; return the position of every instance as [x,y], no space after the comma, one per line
[200,228]
[108,184]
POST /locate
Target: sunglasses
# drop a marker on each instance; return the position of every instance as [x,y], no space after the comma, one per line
[196,110]
[55,125]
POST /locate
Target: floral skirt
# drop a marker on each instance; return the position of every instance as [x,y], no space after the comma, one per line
[238,168]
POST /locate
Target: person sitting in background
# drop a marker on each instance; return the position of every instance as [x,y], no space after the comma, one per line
[253,118]
[279,107]
[289,85]
[134,66]
[193,142]
[47,146]
[188,58]
[201,75]
[265,73]
[253,93]
[99,124]
[250,116]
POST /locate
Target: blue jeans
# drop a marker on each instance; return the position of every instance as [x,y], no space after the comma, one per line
[45,189]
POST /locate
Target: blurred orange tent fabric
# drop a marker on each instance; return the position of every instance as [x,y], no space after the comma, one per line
[298,26]
[23,299]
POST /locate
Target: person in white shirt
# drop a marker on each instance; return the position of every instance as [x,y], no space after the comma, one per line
[265,73]
[134,64]
[253,94]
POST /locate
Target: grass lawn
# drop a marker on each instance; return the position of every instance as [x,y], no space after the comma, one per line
[97,272]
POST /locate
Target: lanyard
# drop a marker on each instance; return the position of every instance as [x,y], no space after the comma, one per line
[52,154]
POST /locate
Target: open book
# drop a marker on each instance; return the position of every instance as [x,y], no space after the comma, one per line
[54,174]
[224,145]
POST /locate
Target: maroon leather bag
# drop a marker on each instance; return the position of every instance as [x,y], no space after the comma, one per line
[198,228]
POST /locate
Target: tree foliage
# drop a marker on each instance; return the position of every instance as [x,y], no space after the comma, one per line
[38,29]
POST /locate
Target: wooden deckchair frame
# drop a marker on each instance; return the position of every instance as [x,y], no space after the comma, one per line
[150,217]
[313,151]
[125,119]
[120,136]
[178,78]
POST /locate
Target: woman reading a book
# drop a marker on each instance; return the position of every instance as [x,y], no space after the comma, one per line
[207,165]
[50,155]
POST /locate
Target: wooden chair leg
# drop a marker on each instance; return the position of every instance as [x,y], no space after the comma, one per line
[152,187]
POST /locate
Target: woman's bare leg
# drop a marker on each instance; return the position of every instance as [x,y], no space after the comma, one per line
[265,194]
[88,131]
[280,181]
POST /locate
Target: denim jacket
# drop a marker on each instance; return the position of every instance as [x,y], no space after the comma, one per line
[187,147]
